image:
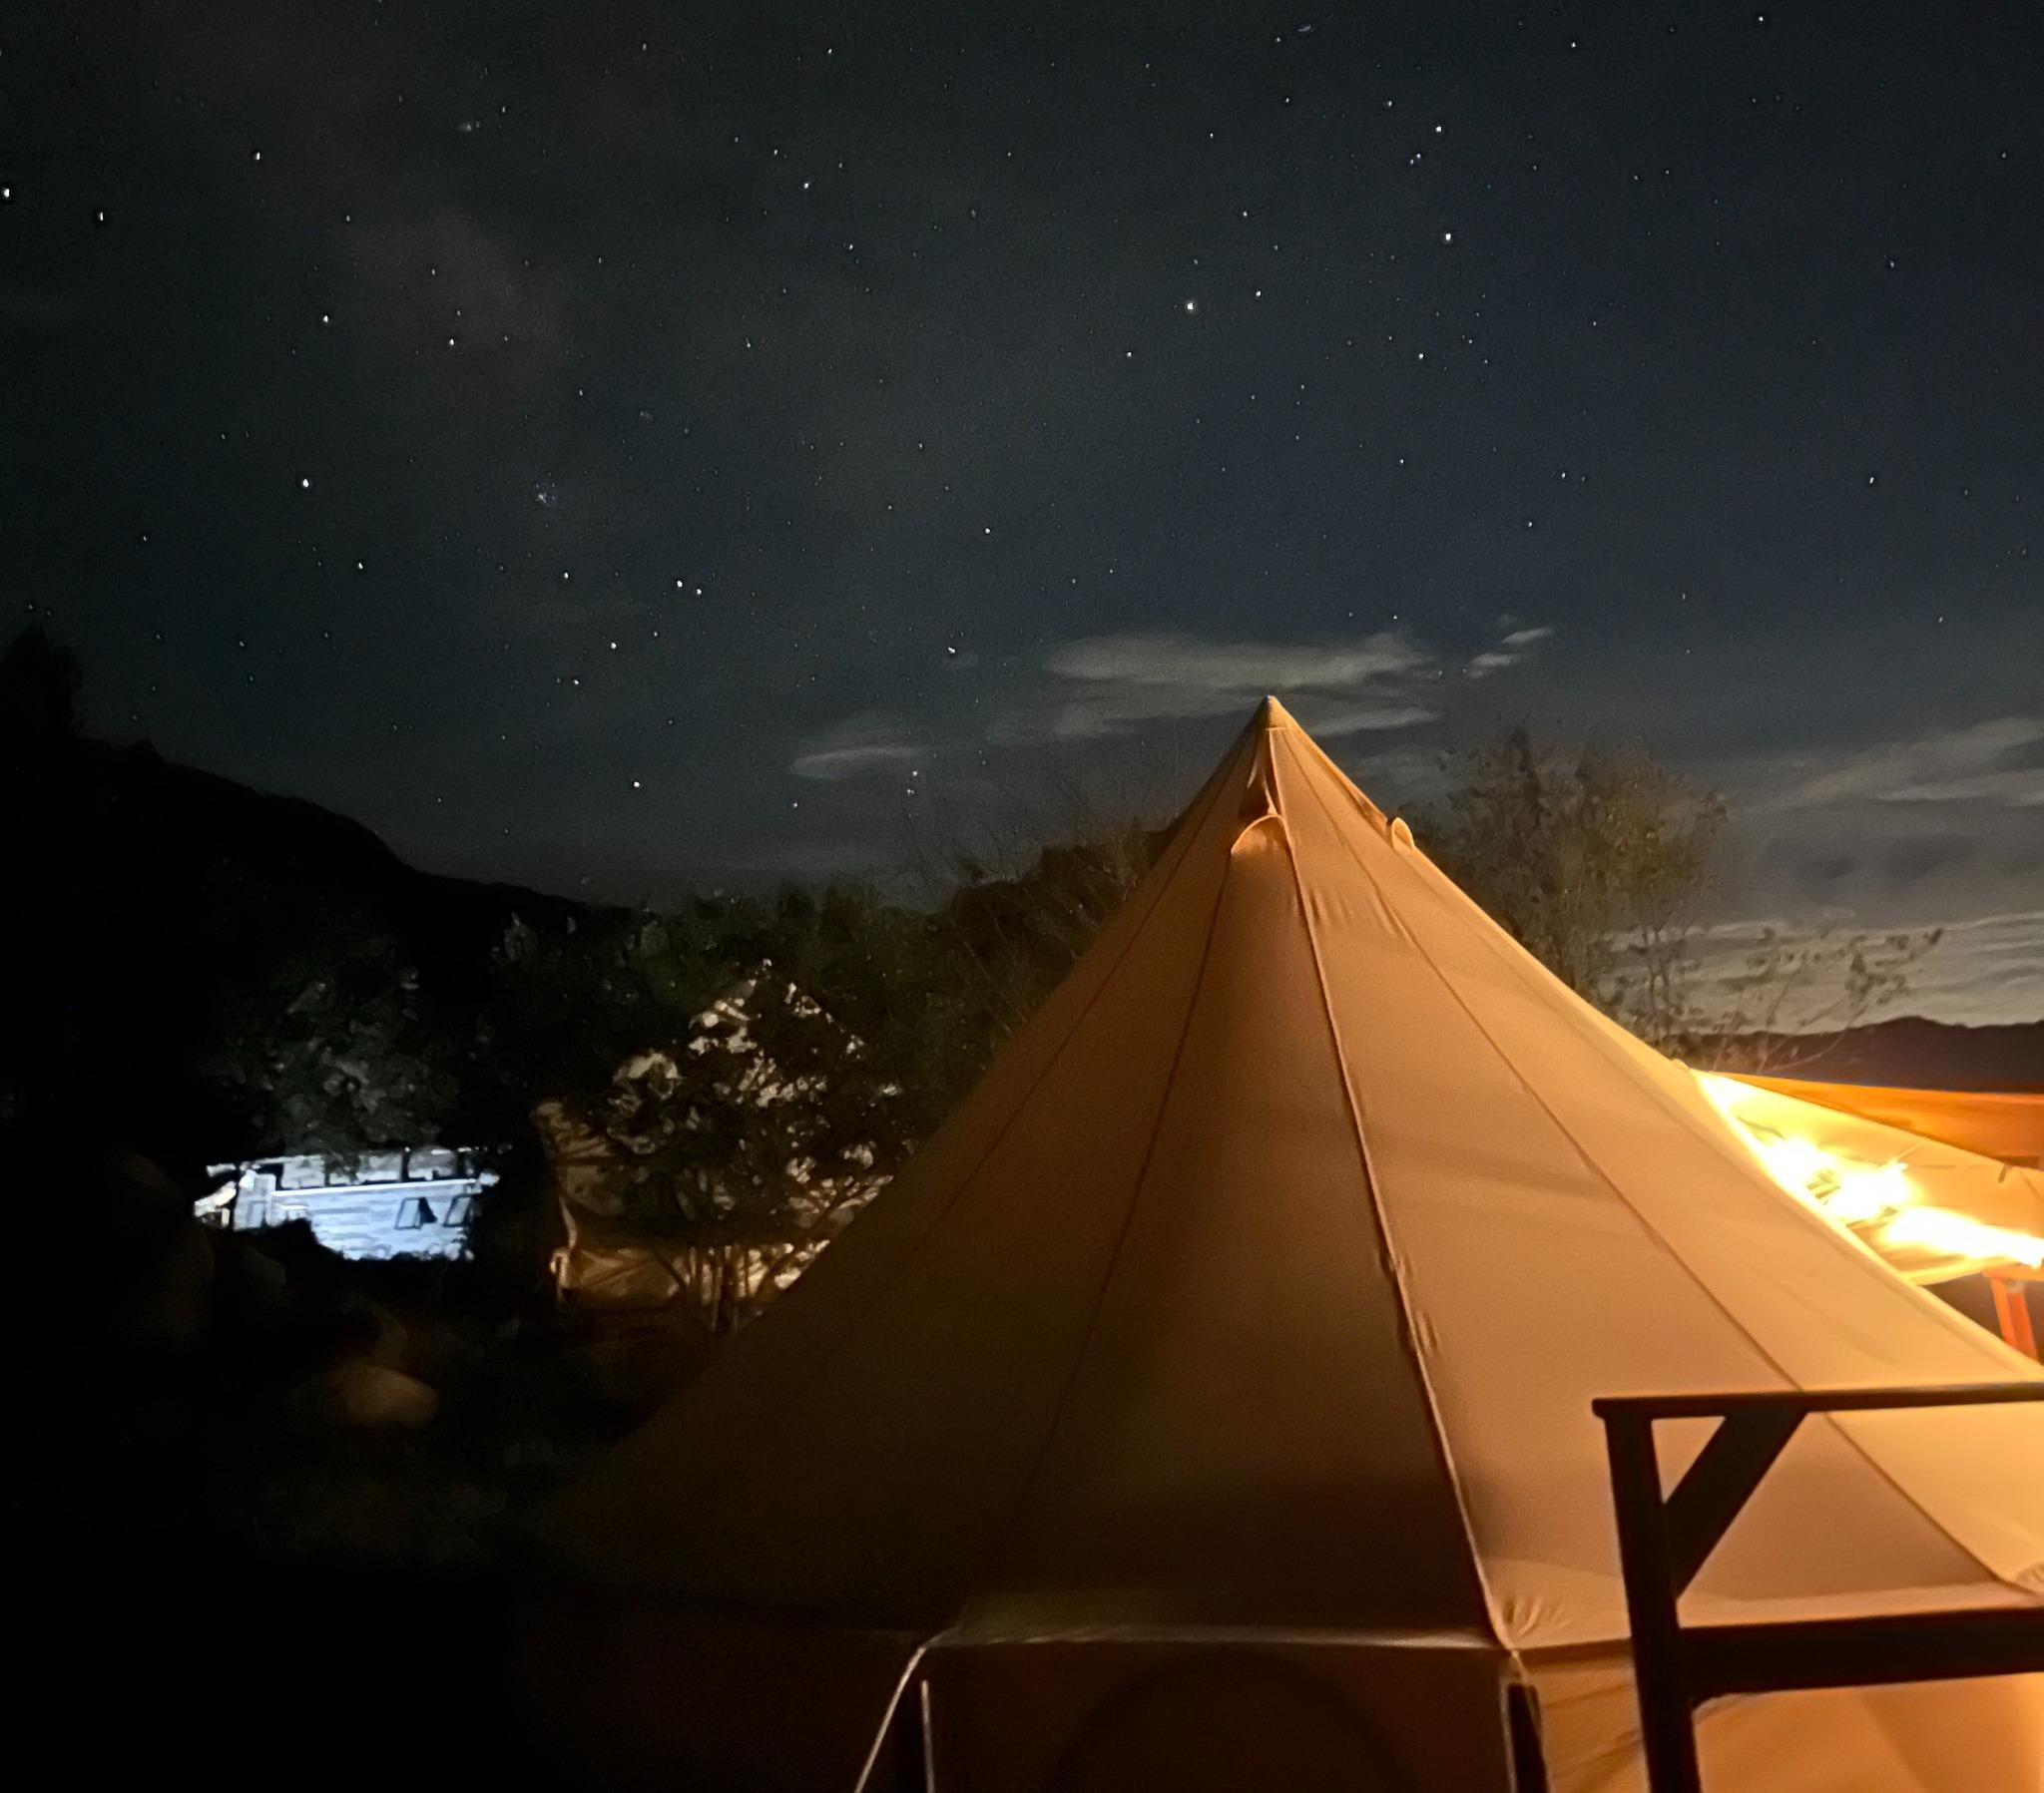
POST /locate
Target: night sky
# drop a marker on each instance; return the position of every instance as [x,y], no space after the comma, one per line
[622,447]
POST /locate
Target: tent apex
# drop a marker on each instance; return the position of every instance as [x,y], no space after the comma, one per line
[1271,714]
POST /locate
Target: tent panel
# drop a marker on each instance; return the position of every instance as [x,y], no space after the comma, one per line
[1569,1144]
[949,1302]
[1484,1190]
[1248,1391]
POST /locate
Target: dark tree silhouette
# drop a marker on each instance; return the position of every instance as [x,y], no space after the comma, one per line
[39,686]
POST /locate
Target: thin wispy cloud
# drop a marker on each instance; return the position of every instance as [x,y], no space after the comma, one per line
[1183,663]
[1102,685]
[1999,762]
[1097,687]
[1982,971]
[1513,649]
[873,741]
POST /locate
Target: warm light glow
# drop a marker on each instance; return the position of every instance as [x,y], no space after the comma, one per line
[1880,1201]
[1851,1193]
[1957,1236]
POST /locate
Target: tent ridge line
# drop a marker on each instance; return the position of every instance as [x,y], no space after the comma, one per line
[996,1545]
[1364,803]
[886,1727]
[1407,1333]
[1595,1169]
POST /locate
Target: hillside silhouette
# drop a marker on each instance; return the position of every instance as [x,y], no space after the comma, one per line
[154,901]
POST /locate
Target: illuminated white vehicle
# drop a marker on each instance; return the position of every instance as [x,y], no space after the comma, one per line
[414,1202]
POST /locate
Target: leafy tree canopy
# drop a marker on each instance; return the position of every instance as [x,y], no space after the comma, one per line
[1595,861]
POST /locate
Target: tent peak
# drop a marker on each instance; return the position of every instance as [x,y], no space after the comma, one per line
[1271,714]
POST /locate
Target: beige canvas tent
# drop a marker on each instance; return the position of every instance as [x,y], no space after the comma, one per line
[1209,1403]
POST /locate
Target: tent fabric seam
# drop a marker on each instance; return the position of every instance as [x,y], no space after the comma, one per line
[1718,1139]
[1715,1136]
[1381,1228]
[1654,1232]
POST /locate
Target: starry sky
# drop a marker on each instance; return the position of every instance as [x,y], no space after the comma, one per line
[622,447]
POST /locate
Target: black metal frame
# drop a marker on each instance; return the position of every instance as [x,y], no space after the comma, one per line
[1664,1541]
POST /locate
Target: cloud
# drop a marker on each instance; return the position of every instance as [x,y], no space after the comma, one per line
[1366,718]
[1982,971]
[1109,684]
[1991,762]
[1931,824]
[1514,647]
[1186,664]
[1913,859]
[872,741]
[1824,871]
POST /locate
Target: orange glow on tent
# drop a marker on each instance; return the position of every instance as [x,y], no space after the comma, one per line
[1998,1124]
[1933,1212]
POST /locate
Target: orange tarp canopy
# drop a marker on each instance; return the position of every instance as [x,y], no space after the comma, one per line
[1995,1123]
[1231,1352]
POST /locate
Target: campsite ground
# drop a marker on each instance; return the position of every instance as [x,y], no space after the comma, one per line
[219,1568]
[249,1671]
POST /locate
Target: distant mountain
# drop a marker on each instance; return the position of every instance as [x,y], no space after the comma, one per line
[151,821]
[1908,1051]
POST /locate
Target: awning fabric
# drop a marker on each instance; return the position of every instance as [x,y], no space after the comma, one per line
[1261,1289]
[1997,1123]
